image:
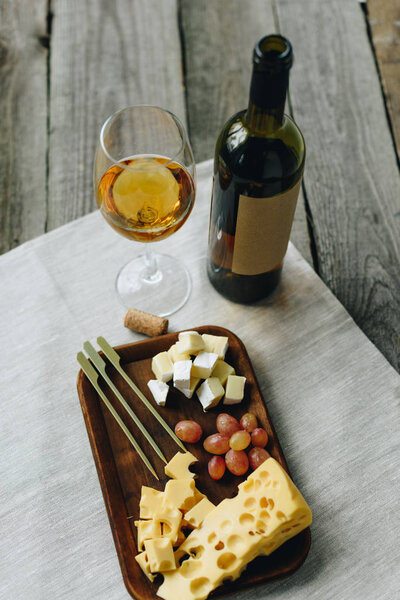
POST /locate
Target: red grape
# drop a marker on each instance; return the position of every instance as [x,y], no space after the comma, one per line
[256,457]
[259,437]
[240,440]
[216,443]
[249,422]
[237,462]
[188,431]
[216,467]
[227,425]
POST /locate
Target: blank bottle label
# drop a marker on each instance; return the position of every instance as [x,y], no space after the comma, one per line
[262,232]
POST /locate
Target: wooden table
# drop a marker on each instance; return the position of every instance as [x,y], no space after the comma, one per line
[66,65]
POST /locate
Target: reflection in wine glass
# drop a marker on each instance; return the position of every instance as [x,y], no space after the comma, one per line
[145,182]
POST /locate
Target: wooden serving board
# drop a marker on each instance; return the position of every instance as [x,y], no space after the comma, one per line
[122,473]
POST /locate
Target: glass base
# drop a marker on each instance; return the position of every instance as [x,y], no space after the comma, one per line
[162,294]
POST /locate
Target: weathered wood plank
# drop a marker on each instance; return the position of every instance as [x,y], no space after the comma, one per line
[384,21]
[104,55]
[352,181]
[23,118]
[218,40]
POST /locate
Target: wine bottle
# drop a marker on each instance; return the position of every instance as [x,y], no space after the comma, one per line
[258,167]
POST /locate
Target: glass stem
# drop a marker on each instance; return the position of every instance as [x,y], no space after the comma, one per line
[151,272]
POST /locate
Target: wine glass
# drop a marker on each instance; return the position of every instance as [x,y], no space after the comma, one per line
[145,185]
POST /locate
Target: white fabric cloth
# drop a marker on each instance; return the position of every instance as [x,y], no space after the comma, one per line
[332,396]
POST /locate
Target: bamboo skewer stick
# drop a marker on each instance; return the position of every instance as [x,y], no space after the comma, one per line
[92,375]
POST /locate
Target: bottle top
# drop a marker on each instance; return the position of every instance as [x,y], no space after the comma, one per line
[273,53]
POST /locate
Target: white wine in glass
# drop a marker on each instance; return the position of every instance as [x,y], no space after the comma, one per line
[144,181]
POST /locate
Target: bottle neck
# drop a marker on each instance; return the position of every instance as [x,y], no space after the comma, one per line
[267,101]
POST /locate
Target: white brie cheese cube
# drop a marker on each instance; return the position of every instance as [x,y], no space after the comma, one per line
[188,392]
[222,370]
[190,341]
[215,343]
[182,369]
[162,366]
[210,392]
[175,355]
[160,390]
[203,364]
[234,392]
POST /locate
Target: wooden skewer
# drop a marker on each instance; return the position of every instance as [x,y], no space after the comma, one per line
[92,375]
[115,361]
[101,367]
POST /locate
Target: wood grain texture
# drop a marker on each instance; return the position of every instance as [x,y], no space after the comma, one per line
[104,56]
[218,40]
[23,114]
[384,21]
[352,181]
[122,473]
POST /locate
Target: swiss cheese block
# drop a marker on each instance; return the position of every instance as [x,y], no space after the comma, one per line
[178,466]
[150,502]
[147,530]
[143,562]
[215,343]
[162,366]
[267,511]
[170,519]
[222,370]
[160,555]
[196,515]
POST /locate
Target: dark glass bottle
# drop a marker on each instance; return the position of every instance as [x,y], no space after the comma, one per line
[258,167]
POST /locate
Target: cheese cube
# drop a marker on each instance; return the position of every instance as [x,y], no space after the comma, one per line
[196,515]
[160,555]
[234,389]
[182,369]
[180,493]
[210,392]
[203,364]
[175,355]
[160,390]
[162,366]
[222,370]
[143,562]
[147,530]
[150,502]
[215,343]
[178,466]
[191,341]
[188,392]
[170,519]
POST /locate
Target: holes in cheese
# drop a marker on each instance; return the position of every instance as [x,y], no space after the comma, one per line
[150,502]
[178,466]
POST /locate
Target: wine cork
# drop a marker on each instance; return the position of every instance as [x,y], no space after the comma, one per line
[151,325]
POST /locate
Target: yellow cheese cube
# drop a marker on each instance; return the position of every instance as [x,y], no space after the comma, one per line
[147,530]
[190,341]
[150,502]
[234,392]
[180,493]
[170,519]
[143,562]
[222,370]
[178,466]
[210,392]
[203,364]
[160,555]
[215,343]
[267,511]
[175,355]
[162,366]
[196,515]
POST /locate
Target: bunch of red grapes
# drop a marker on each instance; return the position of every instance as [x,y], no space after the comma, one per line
[232,439]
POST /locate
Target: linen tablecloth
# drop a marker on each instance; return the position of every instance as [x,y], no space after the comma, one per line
[333,398]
